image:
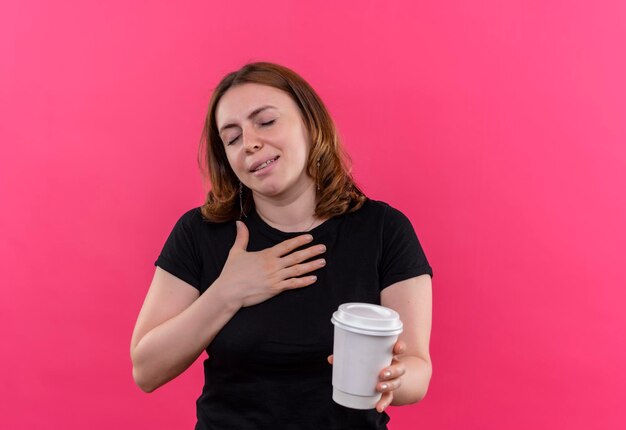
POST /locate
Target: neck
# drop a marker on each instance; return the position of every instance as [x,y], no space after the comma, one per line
[290,213]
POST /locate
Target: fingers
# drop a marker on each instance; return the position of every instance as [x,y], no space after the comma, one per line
[384,402]
[390,381]
[390,378]
[293,283]
[396,370]
[399,347]
[241,240]
[390,385]
[301,269]
[303,255]
[289,245]
[330,359]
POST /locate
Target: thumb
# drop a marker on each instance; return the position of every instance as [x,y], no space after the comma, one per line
[241,241]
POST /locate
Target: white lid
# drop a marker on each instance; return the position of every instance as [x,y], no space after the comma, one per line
[368,319]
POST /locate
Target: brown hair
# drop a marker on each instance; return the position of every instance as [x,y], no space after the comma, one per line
[327,163]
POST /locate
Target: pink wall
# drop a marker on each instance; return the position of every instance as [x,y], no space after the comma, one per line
[498,127]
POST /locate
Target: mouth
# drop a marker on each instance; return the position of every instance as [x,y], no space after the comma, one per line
[260,166]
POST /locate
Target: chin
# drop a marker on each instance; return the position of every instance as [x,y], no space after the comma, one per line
[276,187]
[269,190]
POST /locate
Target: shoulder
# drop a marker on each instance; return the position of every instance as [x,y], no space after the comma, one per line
[193,231]
[376,209]
[194,218]
[376,219]
[192,224]
[389,221]
[189,221]
[191,216]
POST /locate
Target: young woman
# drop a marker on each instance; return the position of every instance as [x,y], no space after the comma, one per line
[254,275]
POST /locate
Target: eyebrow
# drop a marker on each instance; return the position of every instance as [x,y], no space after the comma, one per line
[252,114]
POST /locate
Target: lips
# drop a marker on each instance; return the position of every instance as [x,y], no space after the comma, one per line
[260,165]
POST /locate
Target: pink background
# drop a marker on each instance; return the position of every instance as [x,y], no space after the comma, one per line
[497,127]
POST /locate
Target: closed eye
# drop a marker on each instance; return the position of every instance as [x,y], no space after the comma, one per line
[263,124]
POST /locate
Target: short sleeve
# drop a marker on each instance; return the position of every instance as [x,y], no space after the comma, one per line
[179,255]
[402,254]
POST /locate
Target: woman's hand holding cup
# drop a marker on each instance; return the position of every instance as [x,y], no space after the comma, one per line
[391,378]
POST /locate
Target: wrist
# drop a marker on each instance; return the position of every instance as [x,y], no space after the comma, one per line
[225,294]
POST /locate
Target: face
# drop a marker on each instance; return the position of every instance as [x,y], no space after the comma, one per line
[265,139]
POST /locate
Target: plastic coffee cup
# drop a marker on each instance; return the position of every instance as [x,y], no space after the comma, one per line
[364,338]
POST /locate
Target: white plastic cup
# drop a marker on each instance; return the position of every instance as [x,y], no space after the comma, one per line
[363,346]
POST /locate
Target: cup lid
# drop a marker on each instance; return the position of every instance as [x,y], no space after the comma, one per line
[367,317]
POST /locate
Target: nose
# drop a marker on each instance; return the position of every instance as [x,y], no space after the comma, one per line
[251,142]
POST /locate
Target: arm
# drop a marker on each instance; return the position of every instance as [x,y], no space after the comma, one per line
[412,368]
[176,323]
[174,326]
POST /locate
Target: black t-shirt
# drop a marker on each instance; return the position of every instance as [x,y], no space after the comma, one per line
[267,367]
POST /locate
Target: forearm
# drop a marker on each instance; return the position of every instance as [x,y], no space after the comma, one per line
[168,349]
[414,382]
